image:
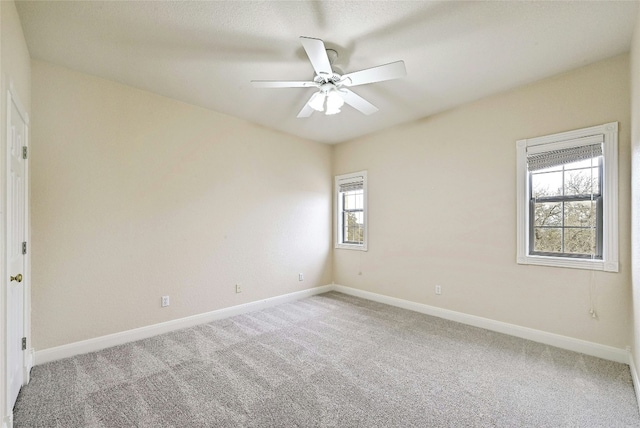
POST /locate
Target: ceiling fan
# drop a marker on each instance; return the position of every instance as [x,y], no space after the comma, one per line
[332,87]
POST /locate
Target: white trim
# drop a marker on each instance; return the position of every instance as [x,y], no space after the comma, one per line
[350,178]
[634,377]
[564,144]
[98,343]
[29,359]
[8,421]
[559,341]
[610,257]
[6,407]
[585,347]
[568,263]
[571,135]
[27,355]
[19,105]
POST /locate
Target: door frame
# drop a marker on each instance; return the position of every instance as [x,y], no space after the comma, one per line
[27,355]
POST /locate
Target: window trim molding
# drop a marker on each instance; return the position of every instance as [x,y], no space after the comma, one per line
[337,208]
[610,257]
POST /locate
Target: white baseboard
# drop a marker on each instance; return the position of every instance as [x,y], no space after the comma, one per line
[98,343]
[7,422]
[559,341]
[634,377]
[31,354]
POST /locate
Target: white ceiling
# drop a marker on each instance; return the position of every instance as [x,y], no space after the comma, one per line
[206,53]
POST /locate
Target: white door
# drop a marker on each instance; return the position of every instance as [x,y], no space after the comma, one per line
[16,232]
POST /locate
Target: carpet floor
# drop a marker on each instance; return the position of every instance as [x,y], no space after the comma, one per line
[330,361]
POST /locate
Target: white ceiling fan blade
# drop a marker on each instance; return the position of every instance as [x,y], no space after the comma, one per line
[283,84]
[306,110]
[357,102]
[317,54]
[381,73]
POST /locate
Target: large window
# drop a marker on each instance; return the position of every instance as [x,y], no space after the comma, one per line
[351,212]
[567,199]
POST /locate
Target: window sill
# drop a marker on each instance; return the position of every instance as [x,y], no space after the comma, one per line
[351,247]
[569,263]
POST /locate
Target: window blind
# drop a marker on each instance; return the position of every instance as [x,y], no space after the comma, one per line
[351,186]
[538,161]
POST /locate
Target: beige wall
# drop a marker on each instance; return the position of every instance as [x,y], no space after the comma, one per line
[442,209]
[635,185]
[14,67]
[15,56]
[136,196]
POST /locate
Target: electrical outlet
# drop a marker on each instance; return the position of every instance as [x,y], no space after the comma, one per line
[165,301]
[238,288]
[438,289]
[300,277]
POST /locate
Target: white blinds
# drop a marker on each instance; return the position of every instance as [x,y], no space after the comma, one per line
[550,155]
[351,185]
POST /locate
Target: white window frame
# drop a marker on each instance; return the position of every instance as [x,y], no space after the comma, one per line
[343,179]
[609,262]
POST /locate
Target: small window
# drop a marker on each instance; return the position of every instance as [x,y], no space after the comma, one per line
[567,199]
[351,212]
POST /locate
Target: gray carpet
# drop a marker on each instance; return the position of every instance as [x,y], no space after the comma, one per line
[330,361]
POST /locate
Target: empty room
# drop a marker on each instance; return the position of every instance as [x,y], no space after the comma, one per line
[320,214]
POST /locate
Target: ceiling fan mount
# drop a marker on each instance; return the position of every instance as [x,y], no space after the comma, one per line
[327,78]
[332,92]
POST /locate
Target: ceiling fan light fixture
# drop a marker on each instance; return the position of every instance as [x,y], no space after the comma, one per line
[317,101]
[334,102]
[331,111]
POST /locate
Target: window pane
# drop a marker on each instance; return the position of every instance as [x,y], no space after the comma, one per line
[354,234]
[353,200]
[581,182]
[580,241]
[580,213]
[349,201]
[547,240]
[546,184]
[353,227]
[345,226]
[582,164]
[548,214]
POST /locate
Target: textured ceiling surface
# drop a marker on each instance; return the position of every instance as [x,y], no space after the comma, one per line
[206,53]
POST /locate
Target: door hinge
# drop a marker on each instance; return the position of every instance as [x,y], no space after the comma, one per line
[24,152]
[24,343]
[24,248]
